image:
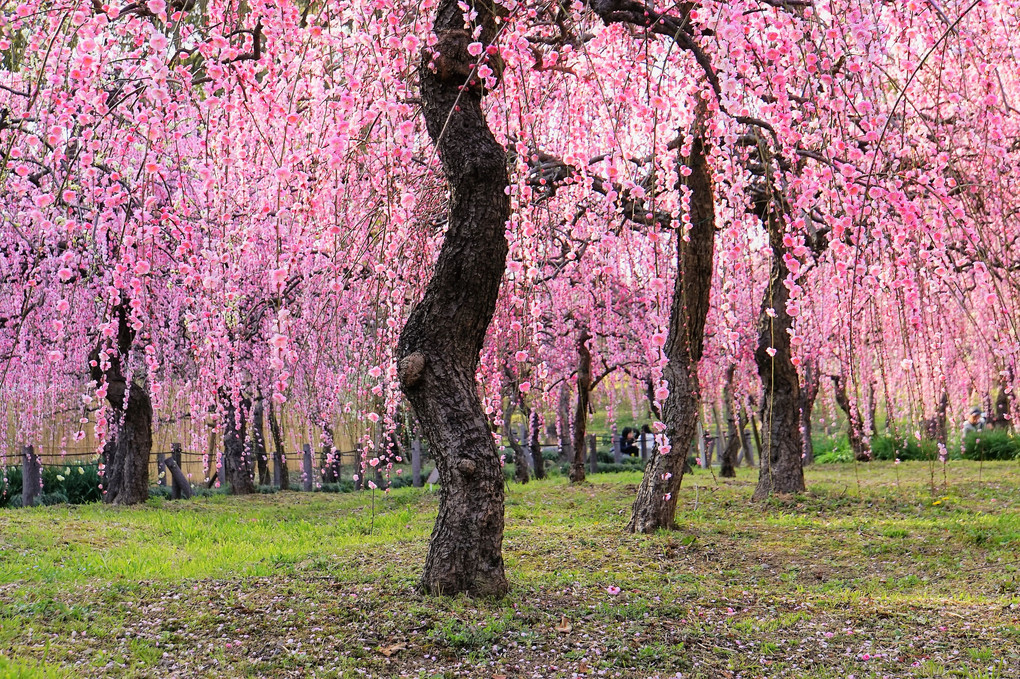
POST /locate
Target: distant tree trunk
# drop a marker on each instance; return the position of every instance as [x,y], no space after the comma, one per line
[521,474]
[728,458]
[1000,418]
[563,433]
[440,344]
[749,450]
[534,423]
[279,451]
[808,396]
[936,428]
[237,454]
[129,443]
[258,441]
[581,410]
[781,467]
[655,505]
[853,430]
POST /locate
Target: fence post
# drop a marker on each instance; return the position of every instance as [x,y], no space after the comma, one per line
[160,470]
[31,477]
[181,485]
[306,468]
[359,472]
[593,458]
[416,462]
[177,489]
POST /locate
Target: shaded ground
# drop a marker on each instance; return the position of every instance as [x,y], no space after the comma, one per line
[870,574]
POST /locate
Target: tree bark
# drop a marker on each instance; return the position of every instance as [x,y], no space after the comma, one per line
[781,467]
[534,423]
[755,438]
[521,474]
[440,345]
[238,462]
[31,477]
[581,409]
[127,450]
[853,429]
[808,396]
[564,432]
[258,441]
[279,452]
[728,458]
[655,505]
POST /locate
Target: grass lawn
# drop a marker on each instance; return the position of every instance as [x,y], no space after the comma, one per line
[870,574]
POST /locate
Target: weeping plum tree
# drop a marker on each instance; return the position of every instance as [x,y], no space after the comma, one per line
[781,465]
[440,344]
[655,505]
[127,449]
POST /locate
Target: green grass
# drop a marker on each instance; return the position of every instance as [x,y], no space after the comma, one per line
[879,570]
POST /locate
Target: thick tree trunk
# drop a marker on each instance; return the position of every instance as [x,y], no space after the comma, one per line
[728,458]
[534,428]
[655,505]
[808,396]
[781,467]
[127,449]
[279,451]
[853,426]
[439,346]
[581,409]
[238,462]
[258,441]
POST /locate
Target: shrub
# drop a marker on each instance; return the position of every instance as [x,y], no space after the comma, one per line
[903,448]
[831,449]
[991,444]
[74,484]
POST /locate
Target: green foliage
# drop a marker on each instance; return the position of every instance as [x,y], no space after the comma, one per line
[831,449]
[991,444]
[903,448]
[76,484]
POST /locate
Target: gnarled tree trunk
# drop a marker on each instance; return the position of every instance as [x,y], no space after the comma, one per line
[258,441]
[439,346]
[728,457]
[781,467]
[581,410]
[127,449]
[279,452]
[534,430]
[238,460]
[655,505]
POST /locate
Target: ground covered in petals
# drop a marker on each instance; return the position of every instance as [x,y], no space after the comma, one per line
[878,571]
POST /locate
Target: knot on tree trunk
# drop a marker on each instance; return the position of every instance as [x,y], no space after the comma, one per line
[466,467]
[410,369]
[453,62]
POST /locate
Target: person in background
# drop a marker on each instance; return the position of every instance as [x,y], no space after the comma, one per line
[975,422]
[627,442]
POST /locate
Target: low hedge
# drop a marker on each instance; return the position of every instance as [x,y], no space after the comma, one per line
[74,484]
